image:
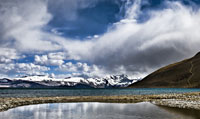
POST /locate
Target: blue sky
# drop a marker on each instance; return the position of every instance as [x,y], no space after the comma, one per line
[95,38]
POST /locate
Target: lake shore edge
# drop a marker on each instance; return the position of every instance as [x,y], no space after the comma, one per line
[184,100]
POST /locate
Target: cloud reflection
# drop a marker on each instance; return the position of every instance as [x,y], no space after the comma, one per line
[92,111]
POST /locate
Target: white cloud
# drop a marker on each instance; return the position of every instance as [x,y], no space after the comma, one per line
[54,59]
[41,59]
[70,67]
[23,68]
[7,55]
[22,24]
[69,8]
[169,35]
[78,69]
[57,55]
[3,76]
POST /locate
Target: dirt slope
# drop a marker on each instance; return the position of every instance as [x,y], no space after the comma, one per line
[184,74]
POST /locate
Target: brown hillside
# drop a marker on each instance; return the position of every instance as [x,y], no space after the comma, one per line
[184,74]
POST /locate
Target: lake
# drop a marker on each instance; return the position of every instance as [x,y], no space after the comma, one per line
[92,110]
[89,92]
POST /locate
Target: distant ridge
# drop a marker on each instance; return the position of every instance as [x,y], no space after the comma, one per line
[184,74]
[42,81]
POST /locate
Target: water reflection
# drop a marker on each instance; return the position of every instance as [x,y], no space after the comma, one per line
[96,111]
[190,113]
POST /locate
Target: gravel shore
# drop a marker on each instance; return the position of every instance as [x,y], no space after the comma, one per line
[186,100]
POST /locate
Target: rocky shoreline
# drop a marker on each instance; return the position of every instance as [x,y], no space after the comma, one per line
[186,100]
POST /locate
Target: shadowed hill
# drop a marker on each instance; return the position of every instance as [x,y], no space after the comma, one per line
[184,74]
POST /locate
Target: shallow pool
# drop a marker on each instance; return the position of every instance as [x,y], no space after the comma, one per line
[92,110]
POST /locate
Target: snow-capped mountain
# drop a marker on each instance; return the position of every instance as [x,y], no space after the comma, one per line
[70,82]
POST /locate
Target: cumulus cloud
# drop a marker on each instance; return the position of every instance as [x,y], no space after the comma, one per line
[53,59]
[129,46]
[7,55]
[81,69]
[70,67]
[23,68]
[22,23]
[169,35]
[3,76]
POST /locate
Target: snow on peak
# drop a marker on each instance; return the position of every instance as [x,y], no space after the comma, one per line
[108,81]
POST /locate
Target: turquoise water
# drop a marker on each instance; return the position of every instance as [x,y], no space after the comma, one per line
[89,92]
[98,111]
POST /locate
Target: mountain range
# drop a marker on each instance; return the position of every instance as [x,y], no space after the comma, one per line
[41,81]
[183,74]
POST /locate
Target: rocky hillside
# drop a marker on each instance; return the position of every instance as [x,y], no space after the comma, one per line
[184,74]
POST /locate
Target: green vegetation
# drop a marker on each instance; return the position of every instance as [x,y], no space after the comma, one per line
[184,74]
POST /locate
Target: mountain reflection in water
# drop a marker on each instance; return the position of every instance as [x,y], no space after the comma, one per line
[98,111]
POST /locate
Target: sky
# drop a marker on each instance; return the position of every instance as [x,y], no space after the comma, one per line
[96,38]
